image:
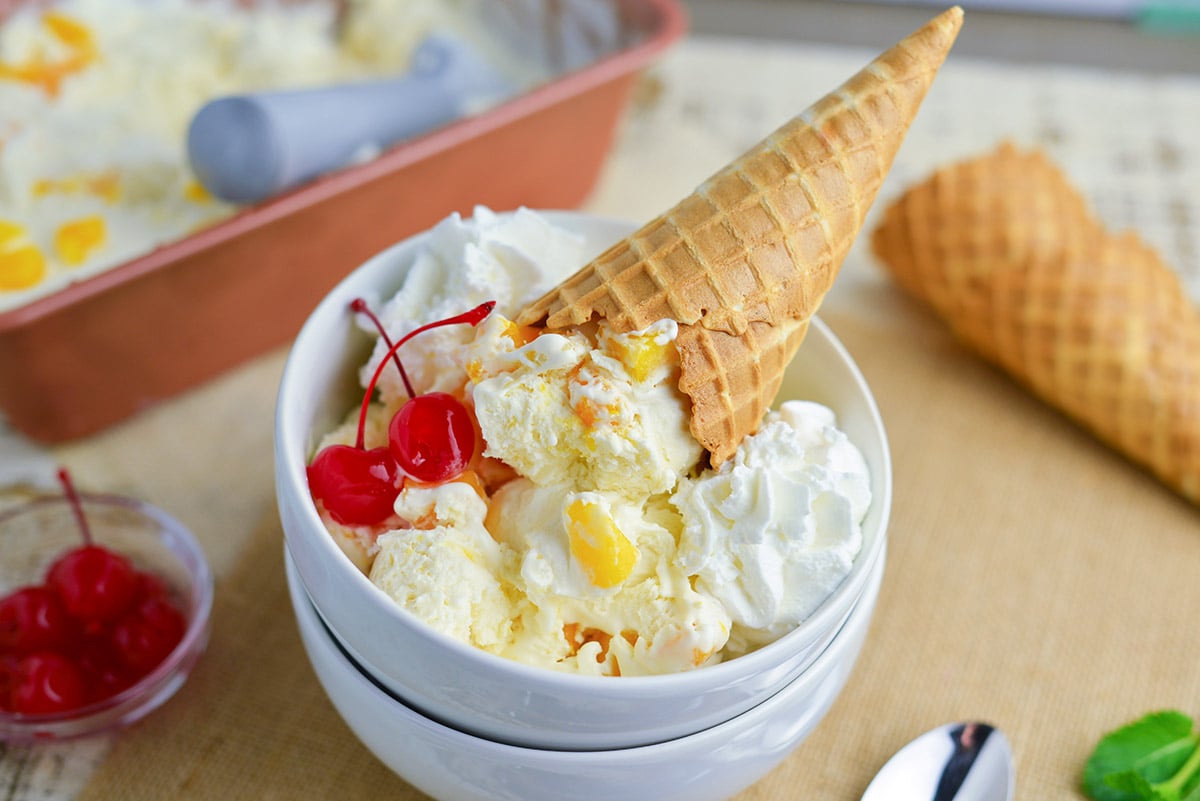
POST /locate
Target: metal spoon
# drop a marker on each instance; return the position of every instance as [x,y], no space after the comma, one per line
[968,761]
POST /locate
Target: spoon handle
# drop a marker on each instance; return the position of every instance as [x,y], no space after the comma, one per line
[245,148]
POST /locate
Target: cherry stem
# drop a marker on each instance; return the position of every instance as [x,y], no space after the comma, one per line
[473,317]
[64,478]
[359,305]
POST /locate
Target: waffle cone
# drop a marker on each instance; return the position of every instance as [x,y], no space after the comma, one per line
[744,261]
[1006,252]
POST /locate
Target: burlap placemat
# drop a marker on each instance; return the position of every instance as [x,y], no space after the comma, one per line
[1034,579]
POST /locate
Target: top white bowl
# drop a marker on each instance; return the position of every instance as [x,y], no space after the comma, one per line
[493,697]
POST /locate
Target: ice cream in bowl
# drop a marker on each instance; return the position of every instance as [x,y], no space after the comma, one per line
[451,765]
[543,475]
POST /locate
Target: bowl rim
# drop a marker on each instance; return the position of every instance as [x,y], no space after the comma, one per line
[291,483]
[107,712]
[860,615]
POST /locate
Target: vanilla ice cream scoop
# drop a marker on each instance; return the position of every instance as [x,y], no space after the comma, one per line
[591,537]
[464,262]
[776,529]
[446,569]
[605,592]
[561,411]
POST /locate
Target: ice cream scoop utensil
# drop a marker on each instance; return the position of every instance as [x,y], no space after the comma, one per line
[245,148]
[968,761]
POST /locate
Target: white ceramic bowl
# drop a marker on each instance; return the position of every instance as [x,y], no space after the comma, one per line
[497,698]
[710,765]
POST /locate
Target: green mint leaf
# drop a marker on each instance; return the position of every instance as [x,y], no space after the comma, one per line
[1155,749]
[1132,784]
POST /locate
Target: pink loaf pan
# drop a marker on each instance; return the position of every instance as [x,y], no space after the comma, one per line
[102,349]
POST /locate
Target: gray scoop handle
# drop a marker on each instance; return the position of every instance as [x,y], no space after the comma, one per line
[245,148]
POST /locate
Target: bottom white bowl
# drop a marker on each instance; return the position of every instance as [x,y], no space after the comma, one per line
[710,765]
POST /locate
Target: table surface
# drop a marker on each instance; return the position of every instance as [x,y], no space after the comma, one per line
[1048,595]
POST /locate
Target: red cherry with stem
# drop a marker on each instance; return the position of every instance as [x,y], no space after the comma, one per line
[93,583]
[9,666]
[473,317]
[47,682]
[150,586]
[357,486]
[360,306]
[441,440]
[432,437]
[106,675]
[147,635]
[33,619]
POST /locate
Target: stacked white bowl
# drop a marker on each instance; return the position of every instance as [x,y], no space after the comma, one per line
[460,723]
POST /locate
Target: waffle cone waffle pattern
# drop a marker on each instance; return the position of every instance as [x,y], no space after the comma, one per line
[743,262]
[1004,249]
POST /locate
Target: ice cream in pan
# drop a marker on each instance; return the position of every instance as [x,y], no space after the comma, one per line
[605,488]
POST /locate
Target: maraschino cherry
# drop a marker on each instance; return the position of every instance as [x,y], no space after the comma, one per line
[94,627]
[431,438]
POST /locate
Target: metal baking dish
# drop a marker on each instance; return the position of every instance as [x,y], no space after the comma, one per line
[102,349]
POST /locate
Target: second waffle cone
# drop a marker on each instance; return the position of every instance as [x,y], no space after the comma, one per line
[744,261]
[1004,249]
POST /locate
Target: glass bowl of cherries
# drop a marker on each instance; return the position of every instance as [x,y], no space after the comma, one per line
[104,610]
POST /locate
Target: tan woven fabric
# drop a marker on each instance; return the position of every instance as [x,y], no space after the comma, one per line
[759,243]
[1035,579]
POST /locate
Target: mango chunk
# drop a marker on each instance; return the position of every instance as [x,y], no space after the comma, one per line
[641,354]
[21,268]
[602,550]
[22,265]
[46,74]
[74,241]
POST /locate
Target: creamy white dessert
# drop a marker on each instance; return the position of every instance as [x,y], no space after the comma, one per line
[562,412]
[587,534]
[96,97]
[510,258]
[776,529]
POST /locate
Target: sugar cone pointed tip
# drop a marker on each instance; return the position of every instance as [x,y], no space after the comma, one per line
[747,258]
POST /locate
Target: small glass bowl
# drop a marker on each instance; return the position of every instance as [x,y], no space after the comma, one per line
[36,533]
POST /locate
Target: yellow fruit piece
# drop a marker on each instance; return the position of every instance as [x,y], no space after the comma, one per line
[641,355]
[105,185]
[520,335]
[49,74]
[72,33]
[605,553]
[195,192]
[76,240]
[592,415]
[10,232]
[21,267]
